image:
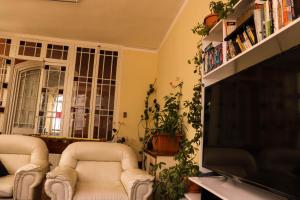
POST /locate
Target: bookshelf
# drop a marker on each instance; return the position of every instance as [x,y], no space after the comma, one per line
[278,42]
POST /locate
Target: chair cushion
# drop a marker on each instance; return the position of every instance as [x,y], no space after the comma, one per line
[3,170]
[100,191]
[6,186]
[92,171]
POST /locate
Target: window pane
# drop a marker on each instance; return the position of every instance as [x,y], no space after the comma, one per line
[30,48]
[5,70]
[51,104]
[82,91]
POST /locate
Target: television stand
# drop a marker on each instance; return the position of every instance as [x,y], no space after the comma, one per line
[228,189]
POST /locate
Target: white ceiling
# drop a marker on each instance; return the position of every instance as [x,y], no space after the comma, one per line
[131,23]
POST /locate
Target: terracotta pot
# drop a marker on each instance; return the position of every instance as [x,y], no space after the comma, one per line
[211,20]
[164,143]
[192,187]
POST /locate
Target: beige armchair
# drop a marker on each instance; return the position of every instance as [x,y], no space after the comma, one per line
[98,171]
[26,160]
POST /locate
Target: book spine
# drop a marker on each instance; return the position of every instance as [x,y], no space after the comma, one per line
[267,18]
[293,9]
[250,35]
[258,21]
[247,40]
[285,13]
[275,15]
[236,47]
[271,15]
[289,11]
[280,14]
[297,8]
[240,44]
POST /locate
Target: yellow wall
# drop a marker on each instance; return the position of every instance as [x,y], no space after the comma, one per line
[178,48]
[139,69]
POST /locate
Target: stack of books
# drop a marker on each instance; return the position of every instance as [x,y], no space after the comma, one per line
[213,57]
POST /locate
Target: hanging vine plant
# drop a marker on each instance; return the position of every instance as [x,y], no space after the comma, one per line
[172,182]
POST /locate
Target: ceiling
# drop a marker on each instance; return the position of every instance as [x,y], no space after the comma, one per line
[131,23]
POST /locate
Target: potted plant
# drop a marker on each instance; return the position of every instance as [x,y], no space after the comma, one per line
[173,182]
[168,122]
[219,10]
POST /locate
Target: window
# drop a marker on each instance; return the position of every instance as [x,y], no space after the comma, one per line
[5,70]
[93,94]
[5,46]
[59,52]
[30,48]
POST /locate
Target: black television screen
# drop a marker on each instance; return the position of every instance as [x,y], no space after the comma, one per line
[252,125]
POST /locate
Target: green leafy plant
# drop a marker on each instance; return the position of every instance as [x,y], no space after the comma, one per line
[170,119]
[147,116]
[222,9]
[172,182]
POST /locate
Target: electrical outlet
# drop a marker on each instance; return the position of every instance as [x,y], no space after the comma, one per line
[124,114]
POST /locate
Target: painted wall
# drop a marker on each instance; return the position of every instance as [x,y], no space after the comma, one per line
[180,46]
[139,69]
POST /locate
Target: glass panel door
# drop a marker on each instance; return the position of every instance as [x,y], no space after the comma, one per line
[51,102]
[28,82]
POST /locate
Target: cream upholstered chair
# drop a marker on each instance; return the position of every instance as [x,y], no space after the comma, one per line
[98,171]
[26,160]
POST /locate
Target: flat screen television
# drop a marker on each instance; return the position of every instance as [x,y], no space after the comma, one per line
[252,125]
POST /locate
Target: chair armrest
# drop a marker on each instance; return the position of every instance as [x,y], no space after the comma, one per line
[60,183]
[137,183]
[27,179]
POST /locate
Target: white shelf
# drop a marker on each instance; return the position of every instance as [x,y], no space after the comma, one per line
[193,196]
[239,9]
[229,190]
[216,33]
[278,42]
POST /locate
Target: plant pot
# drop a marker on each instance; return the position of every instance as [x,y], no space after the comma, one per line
[211,20]
[164,143]
[192,187]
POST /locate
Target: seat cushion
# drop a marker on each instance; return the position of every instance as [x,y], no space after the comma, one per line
[6,186]
[100,191]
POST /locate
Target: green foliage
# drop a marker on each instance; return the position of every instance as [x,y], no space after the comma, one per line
[167,120]
[222,9]
[172,181]
[170,119]
[201,29]
[146,117]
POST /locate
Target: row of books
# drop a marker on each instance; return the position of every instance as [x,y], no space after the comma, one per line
[243,40]
[272,15]
[213,57]
[268,16]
